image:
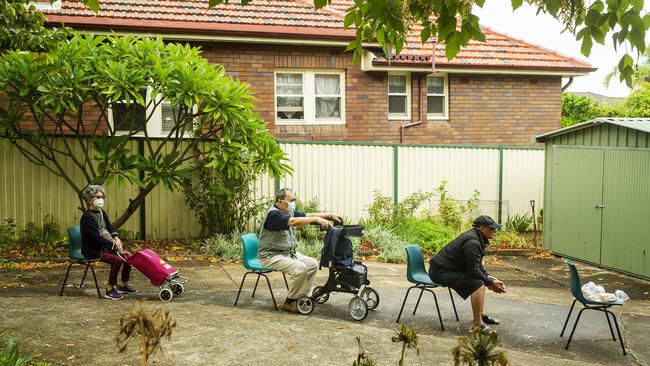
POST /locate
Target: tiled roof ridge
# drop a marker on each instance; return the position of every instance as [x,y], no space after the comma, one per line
[325,8]
[530,44]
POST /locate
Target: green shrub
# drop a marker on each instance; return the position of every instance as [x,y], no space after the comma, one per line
[31,233]
[11,355]
[519,223]
[51,231]
[223,203]
[430,235]
[383,212]
[451,212]
[311,205]
[509,239]
[310,248]
[390,246]
[310,233]
[7,231]
[224,246]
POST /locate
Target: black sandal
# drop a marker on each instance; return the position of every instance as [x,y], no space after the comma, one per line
[489,320]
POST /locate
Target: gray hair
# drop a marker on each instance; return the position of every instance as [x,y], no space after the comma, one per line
[88,194]
[282,194]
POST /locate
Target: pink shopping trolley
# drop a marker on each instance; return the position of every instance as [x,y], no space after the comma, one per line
[160,273]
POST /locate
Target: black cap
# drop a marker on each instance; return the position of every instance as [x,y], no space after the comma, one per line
[485,220]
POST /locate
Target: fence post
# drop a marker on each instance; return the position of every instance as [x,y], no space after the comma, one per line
[395,173]
[500,184]
[143,214]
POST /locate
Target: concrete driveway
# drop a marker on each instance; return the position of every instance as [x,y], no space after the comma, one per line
[80,329]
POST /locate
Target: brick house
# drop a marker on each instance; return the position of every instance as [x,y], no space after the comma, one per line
[501,92]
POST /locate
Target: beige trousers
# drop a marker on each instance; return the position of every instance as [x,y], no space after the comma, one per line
[301,272]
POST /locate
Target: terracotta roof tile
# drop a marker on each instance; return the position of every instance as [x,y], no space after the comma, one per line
[498,50]
[298,18]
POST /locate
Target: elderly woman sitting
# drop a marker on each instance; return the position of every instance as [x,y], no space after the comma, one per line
[99,240]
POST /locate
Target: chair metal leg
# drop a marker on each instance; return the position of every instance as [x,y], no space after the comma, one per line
[403,303]
[435,298]
[574,328]
[453,304]
[618,331]
[610,325]
[275,305]
[567,317]
[95,278]
[66,279]
[286,284]
[240,287]
[256,282]
[418,303]
[84,276]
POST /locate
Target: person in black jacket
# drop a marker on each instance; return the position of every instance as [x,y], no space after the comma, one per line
[459,265]
[99,240]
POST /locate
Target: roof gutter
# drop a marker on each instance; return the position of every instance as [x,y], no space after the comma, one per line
[370,62]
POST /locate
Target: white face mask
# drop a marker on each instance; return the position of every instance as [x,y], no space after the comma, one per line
[292,206]
[99,202]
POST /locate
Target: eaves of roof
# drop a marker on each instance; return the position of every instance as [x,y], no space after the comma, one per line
[200,28]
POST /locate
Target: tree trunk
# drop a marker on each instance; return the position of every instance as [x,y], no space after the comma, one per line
[134,204]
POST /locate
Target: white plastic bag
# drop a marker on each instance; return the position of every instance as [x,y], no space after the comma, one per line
[604,297]
[590,290]
[621,296]
[593,292]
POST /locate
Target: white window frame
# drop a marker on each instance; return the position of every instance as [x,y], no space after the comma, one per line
[309,97]
[438,116]
[154,125]
[399,116]
[46,5]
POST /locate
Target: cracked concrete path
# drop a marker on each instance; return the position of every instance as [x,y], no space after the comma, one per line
[79,328]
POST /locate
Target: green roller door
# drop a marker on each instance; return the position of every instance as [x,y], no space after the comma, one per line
[626,196]
[576,190]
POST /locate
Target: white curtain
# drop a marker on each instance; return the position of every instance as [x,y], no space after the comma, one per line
[328,91]
[289,84]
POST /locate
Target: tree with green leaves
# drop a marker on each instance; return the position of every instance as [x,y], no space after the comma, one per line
[453,23]
[21,27]
[578,109]
[58,105]
[641,76]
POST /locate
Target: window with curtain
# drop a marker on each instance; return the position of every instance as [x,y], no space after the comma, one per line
[289,96]
[398,96]
[327,89]
[436,96]
[310,97]
[167,115]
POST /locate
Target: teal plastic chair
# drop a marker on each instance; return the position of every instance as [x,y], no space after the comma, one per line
[74,252]
[417,275]
[576,291]
[253,265]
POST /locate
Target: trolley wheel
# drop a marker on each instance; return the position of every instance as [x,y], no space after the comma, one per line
[323,297]
[305,305]
[165,294]
[177,288]
[358,308]
[371,297]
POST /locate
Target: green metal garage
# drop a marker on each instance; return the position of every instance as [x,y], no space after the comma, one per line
[597,193]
